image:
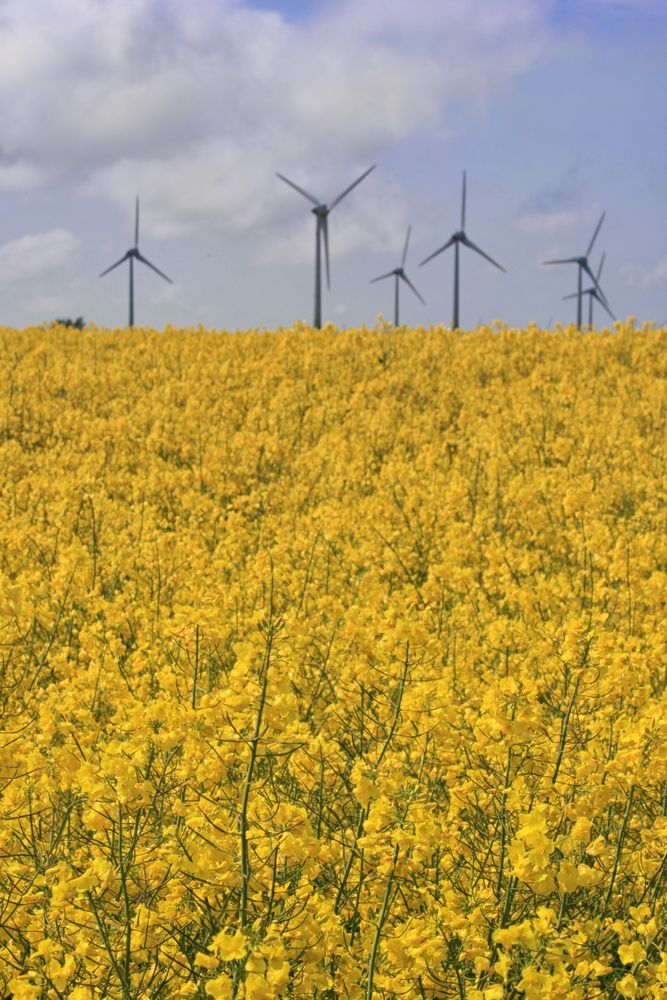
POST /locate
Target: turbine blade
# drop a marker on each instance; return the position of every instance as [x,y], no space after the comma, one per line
[350,188]
[153,267]
[435,253]
[410,285]
[603,303]
[473,246]
[324,223]
[597,230]
[296,187]
[381,277]
[601,265]
[563,260]
[117,264]
[136,223]
[601,297]
[463,202]
[575,295]
[405,248]
[585,267]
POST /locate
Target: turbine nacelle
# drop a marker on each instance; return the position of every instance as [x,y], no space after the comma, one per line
[321,211]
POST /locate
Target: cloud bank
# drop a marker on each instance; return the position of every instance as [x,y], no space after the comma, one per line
[196,105]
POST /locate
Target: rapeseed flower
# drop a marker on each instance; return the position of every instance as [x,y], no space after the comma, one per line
[326,674]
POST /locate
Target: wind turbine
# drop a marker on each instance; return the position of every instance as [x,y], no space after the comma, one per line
[593,293]
[399,275]
[457,238]
[321,213]
[132,255]
[583,265]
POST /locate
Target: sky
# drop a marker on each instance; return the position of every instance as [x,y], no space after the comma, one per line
[555,109]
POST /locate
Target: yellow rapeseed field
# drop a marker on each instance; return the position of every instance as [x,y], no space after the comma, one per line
[333,665]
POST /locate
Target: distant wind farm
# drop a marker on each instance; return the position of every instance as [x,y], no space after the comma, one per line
[457,240]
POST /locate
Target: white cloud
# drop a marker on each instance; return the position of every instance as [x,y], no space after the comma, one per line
[36,255]
[195,105]
[21,175]
[638,276]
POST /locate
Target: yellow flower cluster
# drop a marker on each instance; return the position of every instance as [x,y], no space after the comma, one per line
[333,665]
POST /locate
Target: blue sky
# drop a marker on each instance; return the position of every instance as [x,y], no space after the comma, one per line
[555,109]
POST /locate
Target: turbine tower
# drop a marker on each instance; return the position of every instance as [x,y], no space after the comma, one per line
[583,266]
[133,254]
[456,239]
[321,213]
[399,275]
[593,293]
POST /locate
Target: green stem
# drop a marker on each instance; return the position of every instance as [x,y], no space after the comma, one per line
[619,848]
[563,732]
[384,912]
[243,824]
